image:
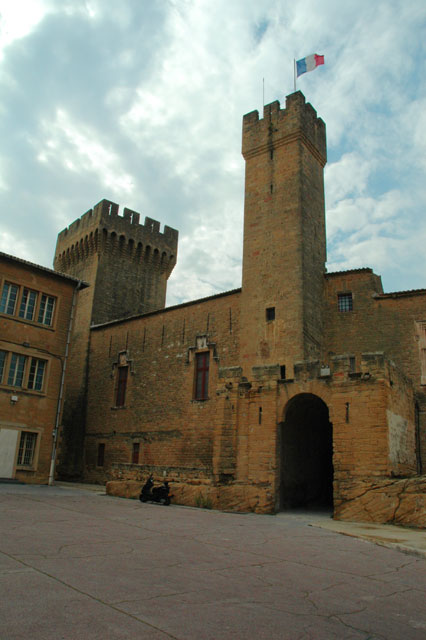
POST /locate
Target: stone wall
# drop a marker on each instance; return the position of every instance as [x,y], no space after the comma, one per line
[384,500]
[378,322]
[175,432]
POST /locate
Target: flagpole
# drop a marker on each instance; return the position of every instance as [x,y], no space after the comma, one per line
[294,71]
[263,94]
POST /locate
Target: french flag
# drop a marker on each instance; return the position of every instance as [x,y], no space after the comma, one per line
[309,63]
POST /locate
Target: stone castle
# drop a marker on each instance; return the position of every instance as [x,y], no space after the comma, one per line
[302,388]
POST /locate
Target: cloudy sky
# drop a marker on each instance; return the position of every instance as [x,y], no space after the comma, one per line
[141,101]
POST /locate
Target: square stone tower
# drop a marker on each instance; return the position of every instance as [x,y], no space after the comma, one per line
[284,235]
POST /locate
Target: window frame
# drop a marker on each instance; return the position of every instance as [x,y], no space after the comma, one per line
[3,363]
[5,299]
[23,371]
[201,376]
[121,385]
[345,302]
[44,308]
[27,303]
[43,312]
[34,377]
[16,370]
[33,437]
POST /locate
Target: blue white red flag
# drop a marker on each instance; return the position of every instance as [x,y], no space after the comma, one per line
[309,63]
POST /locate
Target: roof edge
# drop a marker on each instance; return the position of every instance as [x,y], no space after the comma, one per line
[166,309]
[52,272]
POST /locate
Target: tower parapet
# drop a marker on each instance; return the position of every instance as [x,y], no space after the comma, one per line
[103,227]
[126,262]
[278,127]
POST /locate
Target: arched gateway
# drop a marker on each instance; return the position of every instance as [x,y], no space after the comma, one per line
[306,454]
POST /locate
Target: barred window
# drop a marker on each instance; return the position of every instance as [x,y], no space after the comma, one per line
[8,298]
[27,446]
[28,303]
[16,370]
[36,374]
[47,306]
[344,302]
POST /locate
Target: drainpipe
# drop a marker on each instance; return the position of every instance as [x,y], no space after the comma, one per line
[61,389]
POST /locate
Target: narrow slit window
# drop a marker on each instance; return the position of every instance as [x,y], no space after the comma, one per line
[135,453]
[101,455]
[120,397]
[202,363]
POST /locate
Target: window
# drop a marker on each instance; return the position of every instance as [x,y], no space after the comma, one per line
[27,306]
[135,453]
[36,374]
[25,372]
[202,375]
[421,333]
[8,298]
[101,454]
[3,355]
[344,302]
[270,314]
[27,446]
[16,370]
[45,313]
[121,386]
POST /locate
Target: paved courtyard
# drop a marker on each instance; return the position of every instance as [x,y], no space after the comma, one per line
[77,564]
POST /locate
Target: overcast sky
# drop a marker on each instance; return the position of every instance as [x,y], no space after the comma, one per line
[141,102]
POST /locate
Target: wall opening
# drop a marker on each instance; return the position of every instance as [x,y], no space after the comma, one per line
[306,454]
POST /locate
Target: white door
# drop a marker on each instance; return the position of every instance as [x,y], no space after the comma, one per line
[8,443]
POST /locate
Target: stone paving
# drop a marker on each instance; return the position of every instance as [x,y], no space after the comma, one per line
[78,564]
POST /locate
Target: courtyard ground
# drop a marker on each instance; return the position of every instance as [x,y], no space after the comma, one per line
[78,564]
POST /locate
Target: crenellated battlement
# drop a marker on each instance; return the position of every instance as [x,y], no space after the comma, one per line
[102,229]
[106,213]
[298,121]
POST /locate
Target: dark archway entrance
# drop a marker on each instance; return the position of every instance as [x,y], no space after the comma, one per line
[306,454]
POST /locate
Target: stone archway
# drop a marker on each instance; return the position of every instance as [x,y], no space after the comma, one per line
[306,454]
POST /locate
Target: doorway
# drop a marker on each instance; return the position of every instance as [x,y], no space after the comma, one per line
[306,454]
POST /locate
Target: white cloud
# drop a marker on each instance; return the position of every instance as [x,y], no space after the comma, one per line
[76,147]
[16,245]
[19,18]
[156,124]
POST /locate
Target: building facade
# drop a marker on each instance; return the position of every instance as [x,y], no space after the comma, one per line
[302,388]
[35,326]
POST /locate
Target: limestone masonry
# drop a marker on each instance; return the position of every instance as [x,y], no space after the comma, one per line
[301,389]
